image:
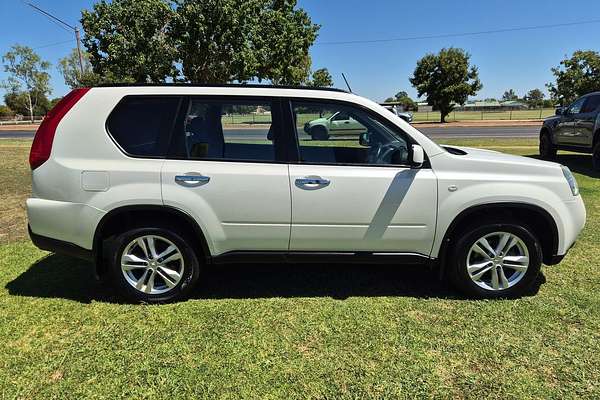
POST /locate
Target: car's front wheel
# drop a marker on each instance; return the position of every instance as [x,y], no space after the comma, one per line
[319,133]
[547,149]
[496,260]
[153,265]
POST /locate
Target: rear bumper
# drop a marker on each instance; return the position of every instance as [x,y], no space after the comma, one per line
[60,246]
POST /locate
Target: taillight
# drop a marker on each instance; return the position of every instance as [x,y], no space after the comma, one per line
[44,136]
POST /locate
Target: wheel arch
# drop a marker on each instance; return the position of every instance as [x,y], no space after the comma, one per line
[538,219]
[128,217]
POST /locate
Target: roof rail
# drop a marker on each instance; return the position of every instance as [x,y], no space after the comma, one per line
[234,85]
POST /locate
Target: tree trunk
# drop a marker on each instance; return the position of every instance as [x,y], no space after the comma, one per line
[30,106]
[443,116]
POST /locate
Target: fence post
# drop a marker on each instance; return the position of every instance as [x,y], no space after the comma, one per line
[510,115]
[482,115]
[426,115]
[541,112]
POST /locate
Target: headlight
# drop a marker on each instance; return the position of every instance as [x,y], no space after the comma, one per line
[571,180]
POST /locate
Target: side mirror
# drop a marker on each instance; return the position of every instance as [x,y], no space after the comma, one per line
[418,155]
[559,111]
[363,139]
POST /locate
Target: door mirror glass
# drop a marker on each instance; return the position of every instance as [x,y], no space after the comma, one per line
[559,111]
[418,155]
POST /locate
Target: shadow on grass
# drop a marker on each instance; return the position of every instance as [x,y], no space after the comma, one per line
[579,163]
[57,276]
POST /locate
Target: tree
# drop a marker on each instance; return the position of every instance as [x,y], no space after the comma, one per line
[510,95]
[26,75]
[221,41]
[403,99]
[576,76]
[446,78]
[321,78]
[128,40]
[534,98]
[5,111]
[69,69]
[19,103]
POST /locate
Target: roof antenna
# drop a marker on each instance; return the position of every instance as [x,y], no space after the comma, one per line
[346,80]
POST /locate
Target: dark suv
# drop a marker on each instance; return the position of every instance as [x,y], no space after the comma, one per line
[574,128]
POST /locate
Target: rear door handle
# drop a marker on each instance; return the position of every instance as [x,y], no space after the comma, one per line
[191,179]
[312,182]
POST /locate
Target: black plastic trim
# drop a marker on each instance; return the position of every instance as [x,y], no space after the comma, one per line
[309,257]
[577,149]
[224,85]
[60,246]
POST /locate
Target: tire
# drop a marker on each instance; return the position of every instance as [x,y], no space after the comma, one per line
[319,133]
[171,280]
[518,280]
[547,149]
[596,157]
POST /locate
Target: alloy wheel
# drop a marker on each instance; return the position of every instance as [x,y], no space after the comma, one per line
[497,261]
[152,264]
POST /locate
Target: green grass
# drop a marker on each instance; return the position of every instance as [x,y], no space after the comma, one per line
[434,116]
[297,332]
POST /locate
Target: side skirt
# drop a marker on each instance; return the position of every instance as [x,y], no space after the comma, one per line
[310,257]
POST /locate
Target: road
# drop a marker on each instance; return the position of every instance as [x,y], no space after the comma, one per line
[434,133]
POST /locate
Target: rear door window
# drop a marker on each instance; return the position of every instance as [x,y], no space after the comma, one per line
[142,125]
[228,129]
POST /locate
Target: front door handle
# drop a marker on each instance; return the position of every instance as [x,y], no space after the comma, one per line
[312,182]
[191,179]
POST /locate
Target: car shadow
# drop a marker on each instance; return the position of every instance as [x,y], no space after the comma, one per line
[57,276]
[578,163]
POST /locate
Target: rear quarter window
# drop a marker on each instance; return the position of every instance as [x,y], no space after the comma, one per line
[142,125]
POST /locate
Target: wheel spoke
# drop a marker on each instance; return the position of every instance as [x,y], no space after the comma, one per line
[130,261]
[517,259]
[503,279]
[480,273]
[495,279]
[516,267]
[486,245]
[150,283]
[173,257]
[141,282]
[171,273]
[151,246]
[142,244]
[167,251]
[165,278]
[479,250]
[502,243]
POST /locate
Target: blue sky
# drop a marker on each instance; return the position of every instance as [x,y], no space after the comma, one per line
[519,60]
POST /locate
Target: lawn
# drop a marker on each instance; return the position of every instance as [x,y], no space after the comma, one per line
[274,331]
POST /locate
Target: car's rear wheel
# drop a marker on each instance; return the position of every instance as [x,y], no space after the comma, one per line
[319,133]
[596,156]
[547,149]
[153,265]
[496,260]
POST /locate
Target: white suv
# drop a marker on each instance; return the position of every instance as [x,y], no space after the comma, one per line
[153,182]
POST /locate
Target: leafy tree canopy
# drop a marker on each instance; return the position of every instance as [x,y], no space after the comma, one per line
[128,40]
[28,77]
[446,79]
[321,78]
[201,41]
[71,72]
[534,98]
[18,102]
[403,99]
[576,76]
[510,95]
